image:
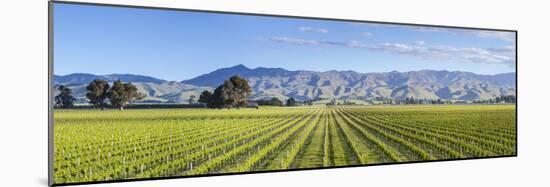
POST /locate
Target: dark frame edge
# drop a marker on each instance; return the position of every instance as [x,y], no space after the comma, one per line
[51,3]
[51,182]
[517,96]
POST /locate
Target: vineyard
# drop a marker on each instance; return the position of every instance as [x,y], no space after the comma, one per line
[93,145]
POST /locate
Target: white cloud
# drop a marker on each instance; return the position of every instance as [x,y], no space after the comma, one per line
[420,42]
[367,34]
[313,29]
[498,35]
[506,36]
[296,41]
[472,55]
[504,55]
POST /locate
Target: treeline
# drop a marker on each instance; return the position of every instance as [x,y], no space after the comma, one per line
[414,101]
[334,102]
[277,102]
[393,101]
[501,99]
[100,95]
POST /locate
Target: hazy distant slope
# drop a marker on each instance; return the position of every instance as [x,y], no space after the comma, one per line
[84,78]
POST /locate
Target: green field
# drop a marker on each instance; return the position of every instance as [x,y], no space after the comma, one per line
[93,145]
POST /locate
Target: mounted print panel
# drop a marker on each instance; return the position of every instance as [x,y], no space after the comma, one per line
[150,93]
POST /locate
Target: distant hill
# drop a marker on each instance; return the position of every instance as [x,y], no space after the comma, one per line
[217,77]
[278,82]
[429,84]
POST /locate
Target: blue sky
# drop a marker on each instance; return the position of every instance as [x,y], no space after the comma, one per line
[178,45]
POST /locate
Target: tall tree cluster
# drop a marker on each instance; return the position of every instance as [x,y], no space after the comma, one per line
[119,95]
[123,93]
[233,93]
[65,98]
[291,102]
[98,91]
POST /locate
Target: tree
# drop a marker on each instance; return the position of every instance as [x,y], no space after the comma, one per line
[236,91]
[291,102]
[218,98]
[275,102]
[97,93]
[65,98]
[232,93]
[205,96]
[191,99]
[123,93]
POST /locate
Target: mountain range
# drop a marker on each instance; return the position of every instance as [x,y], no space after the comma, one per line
[304,85]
